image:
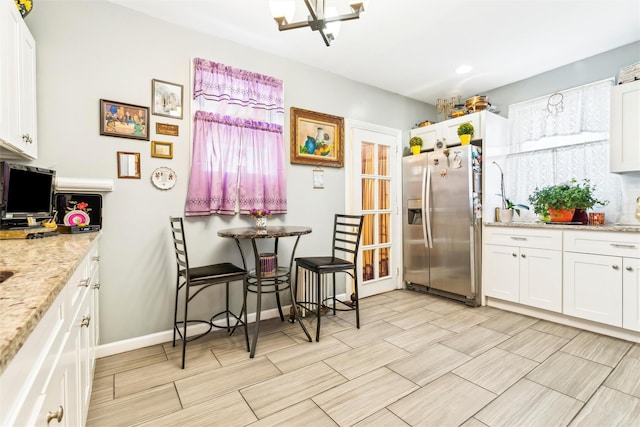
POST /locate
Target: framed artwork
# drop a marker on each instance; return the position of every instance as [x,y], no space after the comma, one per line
[167,99]
[124,120]
[163,150]
[166,129]
[128,165]
[316,138]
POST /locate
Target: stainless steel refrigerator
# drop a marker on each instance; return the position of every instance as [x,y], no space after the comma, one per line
[442,222]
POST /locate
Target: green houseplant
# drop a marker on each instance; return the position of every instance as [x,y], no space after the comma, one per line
[465,131]
[416,144]
[508,207]
[568,197]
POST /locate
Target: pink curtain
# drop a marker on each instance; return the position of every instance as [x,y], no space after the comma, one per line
[232,157]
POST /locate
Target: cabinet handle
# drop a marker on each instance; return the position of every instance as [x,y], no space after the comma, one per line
[523,256]
[96,258]
[619,245]
[85,321]
[518,238]
[55,415]
[514,255]
[628,268]
[83,283]
[96,286]
[615,267]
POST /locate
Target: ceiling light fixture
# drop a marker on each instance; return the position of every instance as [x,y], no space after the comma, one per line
[463,69]
[325,21]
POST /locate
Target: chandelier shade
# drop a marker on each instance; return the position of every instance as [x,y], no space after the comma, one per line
[325,21]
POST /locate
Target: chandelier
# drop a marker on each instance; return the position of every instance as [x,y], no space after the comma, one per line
[326,21]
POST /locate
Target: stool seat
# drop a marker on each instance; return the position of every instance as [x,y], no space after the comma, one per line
[325,264]
[215,271]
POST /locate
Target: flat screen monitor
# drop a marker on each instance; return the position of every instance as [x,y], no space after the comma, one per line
[26,191]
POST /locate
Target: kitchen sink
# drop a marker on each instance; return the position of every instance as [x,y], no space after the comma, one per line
[5,274]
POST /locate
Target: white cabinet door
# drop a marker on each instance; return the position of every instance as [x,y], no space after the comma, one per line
[631,294]
[541,278]
[501,272]
[429,135]
[450,130]
[27,99]
[625,128]
[55,409]
[593,287]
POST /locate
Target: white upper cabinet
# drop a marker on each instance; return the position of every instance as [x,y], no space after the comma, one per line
[625,127]
[18,120]
[447,130]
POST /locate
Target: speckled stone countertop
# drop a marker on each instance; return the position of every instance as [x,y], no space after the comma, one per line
[606,227]
[41,267]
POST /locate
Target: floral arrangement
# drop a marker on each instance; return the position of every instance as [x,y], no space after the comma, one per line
[260,213]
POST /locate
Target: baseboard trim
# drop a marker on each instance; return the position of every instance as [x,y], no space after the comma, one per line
[116,347]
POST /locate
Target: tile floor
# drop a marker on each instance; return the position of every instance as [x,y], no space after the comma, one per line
[417,360]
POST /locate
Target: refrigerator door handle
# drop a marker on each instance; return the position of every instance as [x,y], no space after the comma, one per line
[426,205]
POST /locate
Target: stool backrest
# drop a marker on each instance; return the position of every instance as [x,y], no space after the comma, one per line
[179,243]
[347,230]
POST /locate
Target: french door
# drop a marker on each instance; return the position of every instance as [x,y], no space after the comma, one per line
[373,191]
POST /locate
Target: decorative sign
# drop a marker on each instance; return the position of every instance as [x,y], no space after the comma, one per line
[166,129]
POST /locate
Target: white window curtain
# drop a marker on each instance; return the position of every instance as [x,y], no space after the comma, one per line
[550,144]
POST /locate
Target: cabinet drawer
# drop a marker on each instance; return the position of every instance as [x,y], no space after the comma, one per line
[603,243]
[524,237]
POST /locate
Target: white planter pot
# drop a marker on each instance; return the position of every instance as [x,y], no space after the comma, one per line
[506,215]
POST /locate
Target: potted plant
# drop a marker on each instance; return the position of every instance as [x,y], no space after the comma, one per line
[508,207]
[465,131]
[416,144]
[559,202]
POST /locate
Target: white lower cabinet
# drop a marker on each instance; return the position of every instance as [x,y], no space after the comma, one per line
[519,270]
[631,294]
[49,380]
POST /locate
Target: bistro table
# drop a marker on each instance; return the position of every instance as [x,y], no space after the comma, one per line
[267,276]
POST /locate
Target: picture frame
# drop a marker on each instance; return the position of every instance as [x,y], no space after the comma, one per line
[167,129]
[124,120]
[316,138]
[128,165]
[166,99]
[162,150]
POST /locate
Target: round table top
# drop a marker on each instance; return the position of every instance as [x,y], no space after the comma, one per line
[264,233]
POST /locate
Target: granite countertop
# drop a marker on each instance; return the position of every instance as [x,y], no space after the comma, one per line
[41,267]
[606,227]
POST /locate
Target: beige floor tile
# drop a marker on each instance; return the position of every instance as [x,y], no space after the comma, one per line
[475,341]
[626,377]
[533,344]
[296,357]
[420,337]
[355,400]
[509,323]
[135,408]
[109,365]
[485,310]
[305,413]
[447,401]
[212,340]
[635,351]
[367,333]
[380,299]
[405,305]
[609,407]
[473,422]
[597,348]
[229,410]
[146,377]
[102,390]
[429,364]
[571,375]
[368,315]
[383,417]
[366,358]
[557,329]
[411,318]
[276,394]
[496,370]
[529,404]
[217,382]
[266,344]
[460,320]
[443,306]
[408,295]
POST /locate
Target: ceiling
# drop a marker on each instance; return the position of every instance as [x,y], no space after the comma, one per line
[412,47]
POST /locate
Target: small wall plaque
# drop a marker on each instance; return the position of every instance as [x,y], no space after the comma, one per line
[166,129]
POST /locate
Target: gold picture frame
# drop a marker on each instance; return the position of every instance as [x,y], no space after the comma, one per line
[162,150]
[316,138]
[128,165]
[167,129]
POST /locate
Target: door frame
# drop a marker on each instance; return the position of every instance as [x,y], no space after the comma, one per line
[396,231]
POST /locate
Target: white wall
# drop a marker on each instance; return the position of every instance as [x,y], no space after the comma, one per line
[92,50]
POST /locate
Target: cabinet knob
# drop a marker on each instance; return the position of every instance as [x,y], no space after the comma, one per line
[96,286]
[85,321]
[27,138]
[628,268]
[514,255]
[96,258]
[83,283]
[57,415]
[523,256]
[615,267]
